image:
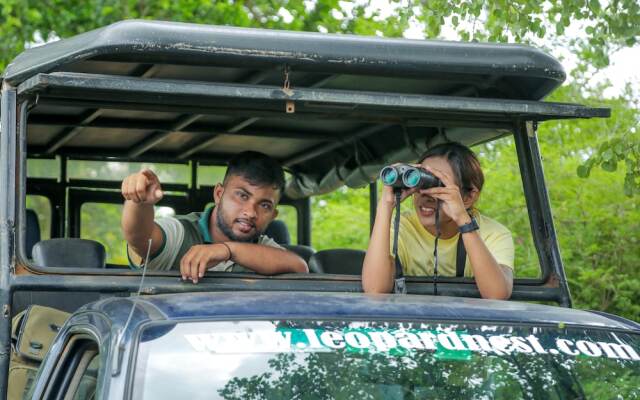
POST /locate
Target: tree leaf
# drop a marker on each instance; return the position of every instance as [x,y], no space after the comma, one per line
[610,165]
[583,171]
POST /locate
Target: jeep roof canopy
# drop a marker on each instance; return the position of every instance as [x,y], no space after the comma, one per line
[140,90]
[332,108]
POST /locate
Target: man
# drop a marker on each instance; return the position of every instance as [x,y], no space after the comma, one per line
[226,237]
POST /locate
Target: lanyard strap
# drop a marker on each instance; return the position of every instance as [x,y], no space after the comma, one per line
[461,253]
[435,250]
[461,257]
[399,286]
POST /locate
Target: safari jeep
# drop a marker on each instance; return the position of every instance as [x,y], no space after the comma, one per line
[334,110]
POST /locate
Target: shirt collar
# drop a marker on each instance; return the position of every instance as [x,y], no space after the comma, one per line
[203,225]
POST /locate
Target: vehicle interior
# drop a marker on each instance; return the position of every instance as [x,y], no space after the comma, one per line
[183,98]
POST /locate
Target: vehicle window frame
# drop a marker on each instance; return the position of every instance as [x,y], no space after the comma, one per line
[69,367]
[551,264]
[86,359]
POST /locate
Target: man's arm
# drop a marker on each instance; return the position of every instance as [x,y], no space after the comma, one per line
[263,259]
[141,191]
[266,260]
[138,227]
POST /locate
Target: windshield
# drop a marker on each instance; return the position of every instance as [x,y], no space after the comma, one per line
[383,360]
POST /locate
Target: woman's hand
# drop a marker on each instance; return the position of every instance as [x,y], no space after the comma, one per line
[452,203]
[388,195]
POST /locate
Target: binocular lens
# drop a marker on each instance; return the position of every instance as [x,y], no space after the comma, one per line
[412,178]
[404,176]
[416,177]
[389,175]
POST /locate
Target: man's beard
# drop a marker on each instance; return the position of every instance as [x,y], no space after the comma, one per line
[228,232]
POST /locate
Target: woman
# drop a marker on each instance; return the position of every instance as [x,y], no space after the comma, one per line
[488,244]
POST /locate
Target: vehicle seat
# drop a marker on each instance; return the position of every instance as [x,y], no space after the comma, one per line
[69,253]
[338,261]
[32,232]
[65,253]
[303,251]
[278,231]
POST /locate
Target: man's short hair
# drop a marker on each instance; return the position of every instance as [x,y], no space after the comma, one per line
[257,168]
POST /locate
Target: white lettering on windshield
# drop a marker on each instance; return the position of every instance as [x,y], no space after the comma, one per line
[400,341]
[241,342]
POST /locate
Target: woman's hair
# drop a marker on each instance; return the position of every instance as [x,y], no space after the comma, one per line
[463,162]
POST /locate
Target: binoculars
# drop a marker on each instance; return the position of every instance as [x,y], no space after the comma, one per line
[403,176]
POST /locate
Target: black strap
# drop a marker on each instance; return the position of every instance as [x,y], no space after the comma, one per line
[461,257]
[399,286]
[435,249]
[399,282]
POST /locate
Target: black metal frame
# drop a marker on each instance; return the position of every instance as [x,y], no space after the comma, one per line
[8,115]
[105,89]
[539,209]
[55,194]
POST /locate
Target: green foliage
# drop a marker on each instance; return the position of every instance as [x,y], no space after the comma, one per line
[341,219]
[621,144]
[597,226]
[609,25]
[105,229]
[503,199]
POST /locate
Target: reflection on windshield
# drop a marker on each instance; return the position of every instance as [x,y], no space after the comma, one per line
[379,360]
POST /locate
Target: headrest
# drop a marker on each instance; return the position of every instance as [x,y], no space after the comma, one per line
[32,232]
[338,261]
[69,253]
[278,231]
[303,251]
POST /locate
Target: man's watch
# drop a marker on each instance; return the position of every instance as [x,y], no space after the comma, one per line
[470,227]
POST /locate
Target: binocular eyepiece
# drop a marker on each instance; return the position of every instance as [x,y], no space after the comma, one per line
[403,176]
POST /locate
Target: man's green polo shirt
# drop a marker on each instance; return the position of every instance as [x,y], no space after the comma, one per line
[180,233]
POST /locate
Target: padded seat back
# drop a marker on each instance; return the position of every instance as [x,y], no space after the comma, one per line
[278,231]
[69,253]
[303,251]
[32,232]
[338,261]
